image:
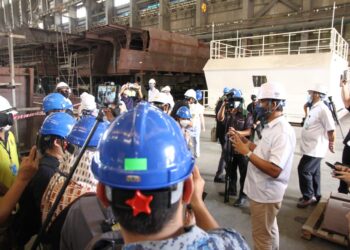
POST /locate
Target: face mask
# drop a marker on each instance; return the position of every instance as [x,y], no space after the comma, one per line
[151,85]
[261,114]
[309,99]
[6,119]
[6,128]
[70,148]
[65,92]
[185,123]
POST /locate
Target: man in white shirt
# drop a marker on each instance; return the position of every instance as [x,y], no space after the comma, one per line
[197,112]
[269,167]
[153,91]
[316,136]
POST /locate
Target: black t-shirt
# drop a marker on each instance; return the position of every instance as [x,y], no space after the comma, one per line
[251,109]
[28,219]
[239,121]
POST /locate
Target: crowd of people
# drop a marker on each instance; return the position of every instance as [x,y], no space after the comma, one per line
[136,178]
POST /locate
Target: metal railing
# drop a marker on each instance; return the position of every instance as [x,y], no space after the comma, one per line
[301,42]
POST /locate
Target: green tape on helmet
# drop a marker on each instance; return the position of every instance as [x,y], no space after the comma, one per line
[135,164]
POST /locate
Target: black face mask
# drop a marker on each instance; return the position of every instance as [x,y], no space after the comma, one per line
[70,148]
[6,119]
[64,92]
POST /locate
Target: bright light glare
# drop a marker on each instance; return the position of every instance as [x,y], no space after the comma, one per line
[120,2]
[81,12]
[65,19]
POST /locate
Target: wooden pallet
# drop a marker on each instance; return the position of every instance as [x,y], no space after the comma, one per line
[312,227]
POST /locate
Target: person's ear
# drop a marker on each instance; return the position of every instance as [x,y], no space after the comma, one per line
[57,142]
[188,190]
[101,194]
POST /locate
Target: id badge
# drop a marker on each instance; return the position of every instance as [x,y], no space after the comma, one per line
[14,169]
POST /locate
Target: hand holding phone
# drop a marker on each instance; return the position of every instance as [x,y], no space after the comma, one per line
[330,165]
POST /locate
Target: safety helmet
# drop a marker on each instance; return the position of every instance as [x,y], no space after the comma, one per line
[320,88]
[160,98]
[6,113]
[152,81]
[126,157]
[6,107]
[165,89]
[226,90]
[272,91]
[56,101]
[190,93]
[82,129]
[87,101]
[183,112]
[235,94]
[59,124]
[199,95]
[62,85]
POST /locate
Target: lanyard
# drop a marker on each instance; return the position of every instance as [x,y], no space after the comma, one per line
[4,144]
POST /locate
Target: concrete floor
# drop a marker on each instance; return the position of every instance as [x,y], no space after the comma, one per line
[290,218]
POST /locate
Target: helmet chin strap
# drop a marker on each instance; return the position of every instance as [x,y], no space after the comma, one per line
[270,111]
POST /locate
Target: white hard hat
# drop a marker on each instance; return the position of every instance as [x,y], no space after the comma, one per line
[62,85]
[152,81]
[191,93]
[161,98]
[272,91]
[165,89]
[4,104]
[320,88]
[87,101]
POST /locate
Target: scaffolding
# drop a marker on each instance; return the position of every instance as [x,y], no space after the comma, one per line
[67,63]
[12,84]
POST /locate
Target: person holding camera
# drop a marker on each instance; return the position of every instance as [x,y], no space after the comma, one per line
[130,94]
[318,134]
[270,165]
[238,121]
[220,134]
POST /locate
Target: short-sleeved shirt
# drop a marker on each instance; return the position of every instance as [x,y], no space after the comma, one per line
[277,146]
[196,238]
[8,160]
[239,121]
[314,138]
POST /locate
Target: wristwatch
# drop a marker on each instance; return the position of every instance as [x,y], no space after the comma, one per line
[249,154]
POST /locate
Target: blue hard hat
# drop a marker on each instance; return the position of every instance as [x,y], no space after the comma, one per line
[56,101]
[82,129]
[199,95]
[226,90]
[59,124]
[184,113]
[235,93]
[143,148]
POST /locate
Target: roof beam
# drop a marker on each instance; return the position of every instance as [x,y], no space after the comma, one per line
[265,9]
[291,5]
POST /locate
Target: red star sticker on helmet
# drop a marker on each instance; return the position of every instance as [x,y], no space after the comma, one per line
[140,203]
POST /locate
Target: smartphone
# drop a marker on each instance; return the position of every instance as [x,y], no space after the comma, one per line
[330,165]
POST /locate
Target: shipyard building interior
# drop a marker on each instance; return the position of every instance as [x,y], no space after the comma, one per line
[174,124]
